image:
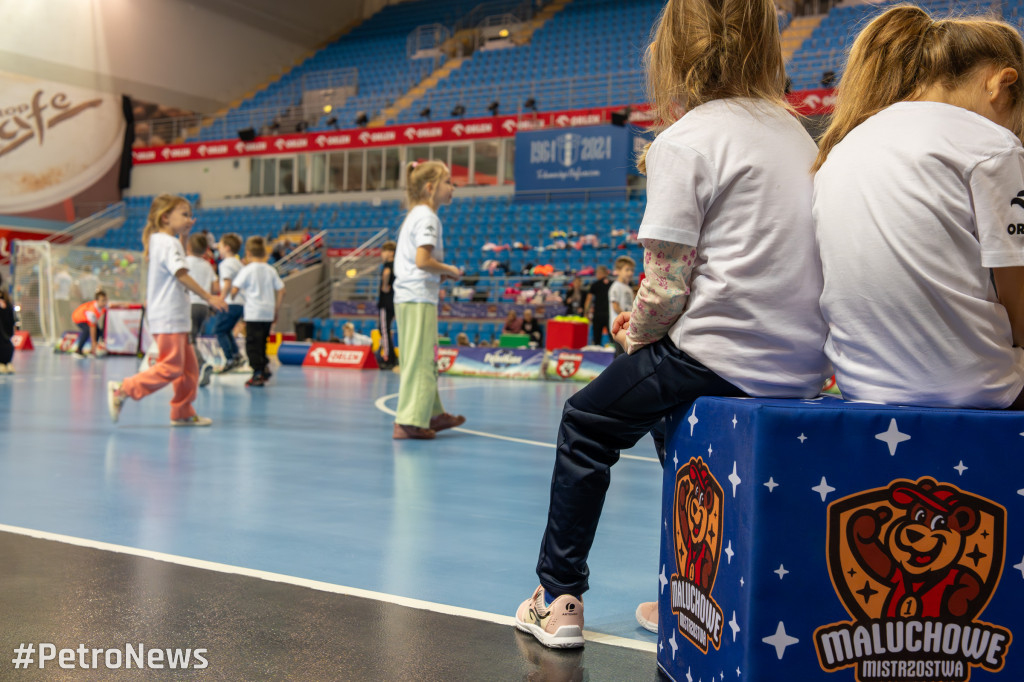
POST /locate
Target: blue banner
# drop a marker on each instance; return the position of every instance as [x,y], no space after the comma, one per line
[568,163]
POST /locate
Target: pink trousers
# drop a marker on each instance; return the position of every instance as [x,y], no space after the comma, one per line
[175,365]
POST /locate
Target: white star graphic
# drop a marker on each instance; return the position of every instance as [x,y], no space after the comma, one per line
[780,640]
[802,438]
[675,647]
[961,467]
[823,489]
[771,484]
[734,479]
[693,420]
[661,647]
[1020,566]
[729,552]
[892,437]
[735,422]
[734,626]
[737,672]
[781,571]
[675,458]
[709,452]
[689,677]
[1021,491]
[741,581]
[662,579]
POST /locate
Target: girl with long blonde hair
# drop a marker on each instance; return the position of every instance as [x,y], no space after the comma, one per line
[919,215]
[169,313]
[729,304]
[419,269]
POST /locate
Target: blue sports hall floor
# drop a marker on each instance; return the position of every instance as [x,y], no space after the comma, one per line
[294,539]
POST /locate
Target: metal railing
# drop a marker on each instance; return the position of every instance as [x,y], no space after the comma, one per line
[307,253]
[426,41]
[82,231]
[608,89]
[520,10]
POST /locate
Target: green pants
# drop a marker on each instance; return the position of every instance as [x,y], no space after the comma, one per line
[418,399]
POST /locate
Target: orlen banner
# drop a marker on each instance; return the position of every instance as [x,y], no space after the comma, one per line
[56,140]
[594,157]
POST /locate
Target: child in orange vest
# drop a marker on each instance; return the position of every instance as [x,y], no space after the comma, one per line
[89,317]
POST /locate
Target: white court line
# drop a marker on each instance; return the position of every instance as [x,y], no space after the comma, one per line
[418,604]
[380,405]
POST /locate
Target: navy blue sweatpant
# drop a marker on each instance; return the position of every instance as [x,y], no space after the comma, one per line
[611,413]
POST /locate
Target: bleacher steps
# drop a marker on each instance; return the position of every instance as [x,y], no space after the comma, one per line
[799,30]
[417,91]
[523,36]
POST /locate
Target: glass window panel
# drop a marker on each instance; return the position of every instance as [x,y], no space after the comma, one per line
[269,176]
[354,183]
[510,162]
[374,168]
[336,173]
[254,177]
[460,165]
[318,173]
[418,153]
[286,169]
[485,162]
[392,168]
[439,153]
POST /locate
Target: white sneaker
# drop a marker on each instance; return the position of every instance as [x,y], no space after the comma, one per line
[205,372]
[194,420]
[4,370]
[114,400]
[558,626]
[10,368]
[647,616]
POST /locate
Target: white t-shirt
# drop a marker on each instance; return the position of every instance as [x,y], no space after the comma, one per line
[912,209]
[421,227]
[732,178]
[228,269]
[260,282]
[202,272]
[623,295]
[167,305]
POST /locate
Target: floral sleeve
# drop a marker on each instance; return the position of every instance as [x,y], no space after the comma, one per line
[663,293]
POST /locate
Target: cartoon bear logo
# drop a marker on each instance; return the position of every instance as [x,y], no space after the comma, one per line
[698,506]
[915,564]
[919,557]
[697,513]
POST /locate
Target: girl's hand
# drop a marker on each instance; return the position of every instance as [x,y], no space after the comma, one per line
[620,327]
[217,303]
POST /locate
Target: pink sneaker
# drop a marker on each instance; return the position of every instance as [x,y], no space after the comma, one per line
[647,616]
[559,626]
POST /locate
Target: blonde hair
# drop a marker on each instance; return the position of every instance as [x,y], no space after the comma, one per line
[417,175]
[902,52]
[161,206]
[703,50]
[256,247]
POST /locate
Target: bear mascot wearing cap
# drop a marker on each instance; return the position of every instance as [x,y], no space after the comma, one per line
[919,555]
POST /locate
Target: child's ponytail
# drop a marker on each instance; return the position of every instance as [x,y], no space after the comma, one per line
[884,67]
[417,175]
[903,52]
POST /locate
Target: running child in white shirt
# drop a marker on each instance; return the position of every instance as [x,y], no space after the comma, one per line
[202,272]
[169,315]
[918,214]
[264,291]
[729,304]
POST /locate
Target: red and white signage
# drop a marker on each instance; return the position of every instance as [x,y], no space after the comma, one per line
[340,356]
[807,103]
[22,341]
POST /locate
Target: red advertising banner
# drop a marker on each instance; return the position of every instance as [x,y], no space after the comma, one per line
[340,356]
[807,103]
[22,341]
